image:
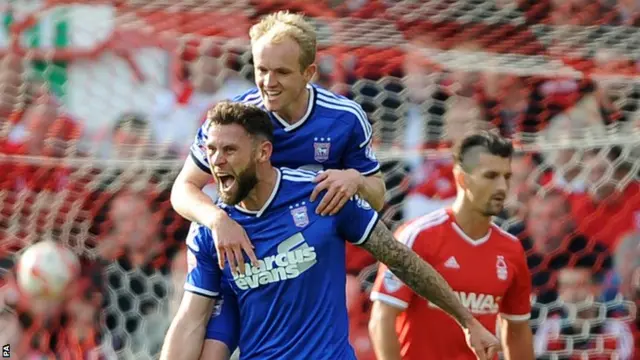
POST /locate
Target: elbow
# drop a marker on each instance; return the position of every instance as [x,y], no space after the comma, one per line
[378,205]
[381,190]
[176,188]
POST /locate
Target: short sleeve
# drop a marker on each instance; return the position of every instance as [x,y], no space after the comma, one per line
[224,324]
[198,151]
[359,155]
[203,276]
[516,303]
[356,220]
[387,288]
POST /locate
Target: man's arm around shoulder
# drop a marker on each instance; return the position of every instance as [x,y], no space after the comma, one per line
[186,334]
[188,200]
[187,197]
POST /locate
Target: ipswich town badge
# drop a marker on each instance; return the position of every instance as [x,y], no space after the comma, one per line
[321,148]
[300,217]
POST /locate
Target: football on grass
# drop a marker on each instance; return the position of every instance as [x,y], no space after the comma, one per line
[45,270]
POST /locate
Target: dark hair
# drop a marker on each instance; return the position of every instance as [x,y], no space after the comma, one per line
[253,119]
[486,141]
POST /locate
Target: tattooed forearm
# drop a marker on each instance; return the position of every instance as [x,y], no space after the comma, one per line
[415,272]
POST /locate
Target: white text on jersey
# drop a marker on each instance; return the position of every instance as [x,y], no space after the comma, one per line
[286,264]
[478,304]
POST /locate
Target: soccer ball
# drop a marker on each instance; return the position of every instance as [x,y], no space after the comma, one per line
[46,269]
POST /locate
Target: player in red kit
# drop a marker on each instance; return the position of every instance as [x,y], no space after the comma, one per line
[484,265]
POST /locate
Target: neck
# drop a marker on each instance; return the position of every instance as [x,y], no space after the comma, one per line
[471,221]
[294,112]
[262,191]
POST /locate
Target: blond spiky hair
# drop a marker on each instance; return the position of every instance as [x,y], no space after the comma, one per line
[284,24]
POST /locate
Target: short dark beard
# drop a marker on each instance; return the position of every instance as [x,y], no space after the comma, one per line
[489,213]
[245,181]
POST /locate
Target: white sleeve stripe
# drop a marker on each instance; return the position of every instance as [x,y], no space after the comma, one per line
[298,178]
[511,317]
[364,143]
[372,171]
[389,300]
[200,291]
[367,132]
[297,172]
[202,163]
[368,230]
[345,102]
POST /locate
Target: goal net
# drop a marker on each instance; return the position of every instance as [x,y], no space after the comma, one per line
[99,102]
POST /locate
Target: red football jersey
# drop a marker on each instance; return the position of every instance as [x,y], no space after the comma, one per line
[489,275]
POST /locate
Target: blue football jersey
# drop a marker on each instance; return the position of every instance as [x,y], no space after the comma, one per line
[291,306]
[333,134]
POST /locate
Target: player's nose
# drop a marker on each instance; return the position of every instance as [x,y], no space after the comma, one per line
[218,159]
[502,184]
[269,79]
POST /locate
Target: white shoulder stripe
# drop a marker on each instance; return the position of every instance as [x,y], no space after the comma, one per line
[299,175]
[297,178]
[364,123]
[256,102]
[409,234]
[333,99]
[295,172]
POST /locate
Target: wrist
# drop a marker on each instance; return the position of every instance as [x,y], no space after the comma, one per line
[214,216]
[467,320]
[359,178]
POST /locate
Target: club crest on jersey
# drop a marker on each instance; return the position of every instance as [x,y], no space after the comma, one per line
[501,268]
[361,203]
[321,147]
[299,214]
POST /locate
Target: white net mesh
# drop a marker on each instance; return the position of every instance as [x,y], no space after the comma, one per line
[99,103]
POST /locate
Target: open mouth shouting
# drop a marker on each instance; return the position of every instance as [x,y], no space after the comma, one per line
[226,181]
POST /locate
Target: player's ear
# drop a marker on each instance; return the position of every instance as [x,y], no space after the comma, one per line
[460,176]
[309,72]
[265,149]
